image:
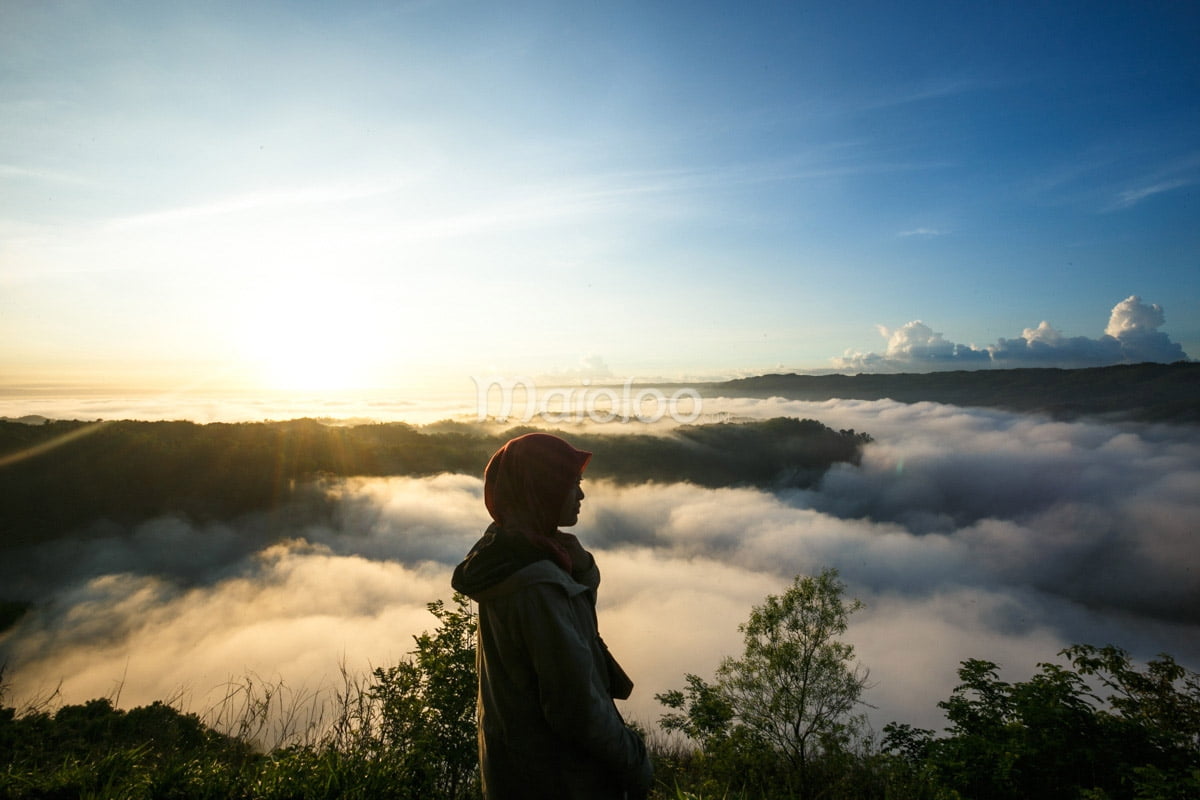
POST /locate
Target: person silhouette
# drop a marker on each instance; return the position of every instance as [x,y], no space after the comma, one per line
[548,726]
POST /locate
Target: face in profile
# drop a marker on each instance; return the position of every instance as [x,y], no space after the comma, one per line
[571,505]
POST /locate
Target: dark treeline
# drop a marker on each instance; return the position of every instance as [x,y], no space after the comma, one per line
[1148,392]
[61,476]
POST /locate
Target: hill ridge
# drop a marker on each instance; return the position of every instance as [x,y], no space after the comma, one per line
[1147,392]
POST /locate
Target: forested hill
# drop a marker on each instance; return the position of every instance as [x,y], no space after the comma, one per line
[61,476]
[1148,392]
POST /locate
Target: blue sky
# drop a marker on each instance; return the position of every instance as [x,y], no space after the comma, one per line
[337,194]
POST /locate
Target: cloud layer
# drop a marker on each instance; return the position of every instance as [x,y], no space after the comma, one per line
[1131,336]
[968,533]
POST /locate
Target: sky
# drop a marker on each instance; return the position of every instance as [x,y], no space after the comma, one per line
[325,196]
[967,533]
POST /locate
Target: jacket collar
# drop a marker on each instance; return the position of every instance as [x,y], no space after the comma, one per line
[538,572]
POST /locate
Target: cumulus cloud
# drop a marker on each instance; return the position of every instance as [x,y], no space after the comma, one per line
[1132,336]
[1135,326]
[969,533]
[1046,346]
[917,342]
[914,345]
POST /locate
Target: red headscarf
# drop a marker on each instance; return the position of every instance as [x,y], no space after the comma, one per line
[526,483]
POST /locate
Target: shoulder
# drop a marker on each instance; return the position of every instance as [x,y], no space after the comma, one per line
[536,578]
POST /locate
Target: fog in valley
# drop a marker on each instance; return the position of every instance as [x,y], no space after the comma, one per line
[968,533]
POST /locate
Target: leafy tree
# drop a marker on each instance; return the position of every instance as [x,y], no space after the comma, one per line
[1155,714]
[791,692]
[1052,737]
[1034,739]
[728,754]
[427,707]
[795,684]
[708,716]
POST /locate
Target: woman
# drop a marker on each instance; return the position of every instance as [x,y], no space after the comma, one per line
[548,727]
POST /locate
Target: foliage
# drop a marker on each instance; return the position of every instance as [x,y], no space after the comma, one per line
[1052,737]
[729,755]
[94,748]
[777,722]
[64,476]
[427,706]
[1165,699]
[407,731]
[794,685]
[408,734]
[788,698]
[709,712]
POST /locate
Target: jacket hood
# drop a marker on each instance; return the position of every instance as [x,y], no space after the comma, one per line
[496,557]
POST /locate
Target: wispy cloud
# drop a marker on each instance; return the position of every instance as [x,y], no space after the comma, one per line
[251,202]
[1131,197]
[1111,178]
[923,92]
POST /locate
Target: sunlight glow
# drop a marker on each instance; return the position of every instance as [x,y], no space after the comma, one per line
[314,335]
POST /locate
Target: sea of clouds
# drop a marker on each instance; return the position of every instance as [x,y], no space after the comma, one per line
[968,533]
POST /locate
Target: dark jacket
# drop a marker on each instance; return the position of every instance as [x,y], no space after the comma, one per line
[548,727]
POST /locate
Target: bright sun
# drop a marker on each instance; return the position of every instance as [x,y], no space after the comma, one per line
[313,338]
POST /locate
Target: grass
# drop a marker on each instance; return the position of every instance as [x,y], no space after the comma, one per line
[261,740]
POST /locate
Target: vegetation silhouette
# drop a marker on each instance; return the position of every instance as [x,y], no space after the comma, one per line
[129,471]
[788,702]
[1051,736]
[407,732]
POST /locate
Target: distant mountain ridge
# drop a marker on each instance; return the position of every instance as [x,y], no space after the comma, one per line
[64,476]
[1147,392]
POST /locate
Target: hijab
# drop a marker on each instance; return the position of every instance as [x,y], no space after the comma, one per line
[526,484]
